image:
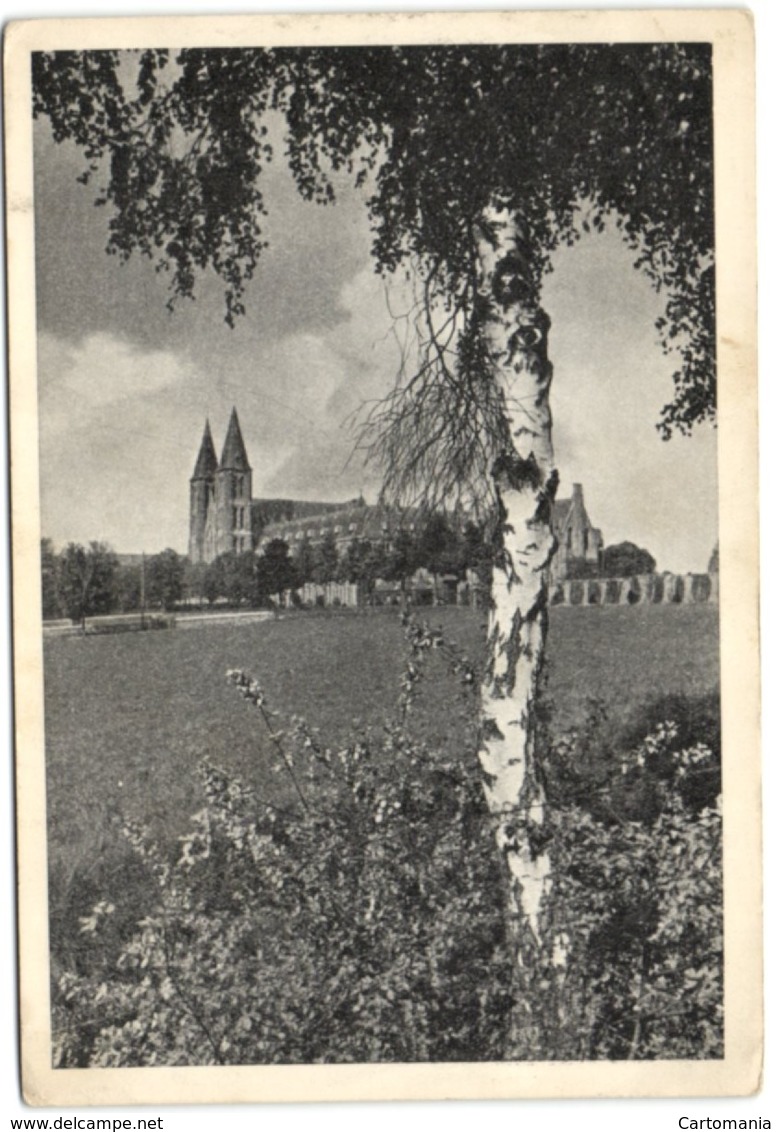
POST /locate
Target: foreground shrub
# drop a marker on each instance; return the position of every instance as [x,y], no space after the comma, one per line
[642,900]
[361,924]
[361,919]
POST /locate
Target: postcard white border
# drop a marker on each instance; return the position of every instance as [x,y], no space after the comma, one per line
[739,1072]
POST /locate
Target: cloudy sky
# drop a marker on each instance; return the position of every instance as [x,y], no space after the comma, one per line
[125,386]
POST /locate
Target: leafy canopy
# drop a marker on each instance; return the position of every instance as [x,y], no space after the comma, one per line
[566,136]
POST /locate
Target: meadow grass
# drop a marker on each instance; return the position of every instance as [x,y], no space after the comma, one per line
[128,717]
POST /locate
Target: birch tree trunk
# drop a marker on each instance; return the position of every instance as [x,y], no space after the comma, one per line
[525,480]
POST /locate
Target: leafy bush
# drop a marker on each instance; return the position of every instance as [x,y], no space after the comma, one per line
[362,919]
[362,923]
[640,879]
[625,559]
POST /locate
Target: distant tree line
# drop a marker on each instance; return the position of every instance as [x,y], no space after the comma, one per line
[440,546]
[86,581]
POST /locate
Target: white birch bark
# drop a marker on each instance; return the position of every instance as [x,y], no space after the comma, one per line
[525,480]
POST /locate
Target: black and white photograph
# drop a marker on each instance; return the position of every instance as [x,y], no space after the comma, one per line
[382,427]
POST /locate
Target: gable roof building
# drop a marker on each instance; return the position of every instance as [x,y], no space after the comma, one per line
[577,539]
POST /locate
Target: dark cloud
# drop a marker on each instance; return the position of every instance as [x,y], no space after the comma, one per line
[81,290]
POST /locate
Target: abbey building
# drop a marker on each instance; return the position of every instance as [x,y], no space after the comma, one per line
[225,519]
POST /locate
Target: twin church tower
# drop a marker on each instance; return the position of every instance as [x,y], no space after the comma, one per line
[221,498]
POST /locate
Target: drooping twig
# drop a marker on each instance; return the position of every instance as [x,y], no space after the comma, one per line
[251,690]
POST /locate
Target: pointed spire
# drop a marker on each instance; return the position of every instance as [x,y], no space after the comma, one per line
[206,464]
[234,455]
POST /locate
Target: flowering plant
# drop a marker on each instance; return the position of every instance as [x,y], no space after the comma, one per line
[358,914]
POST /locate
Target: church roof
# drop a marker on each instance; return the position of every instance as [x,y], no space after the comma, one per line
[206,462]
[350,520]
[567,510]
[234,454]
[561,511]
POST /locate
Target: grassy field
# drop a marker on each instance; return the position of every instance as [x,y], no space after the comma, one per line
[129,716]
